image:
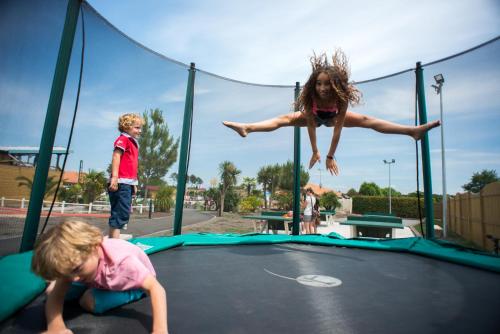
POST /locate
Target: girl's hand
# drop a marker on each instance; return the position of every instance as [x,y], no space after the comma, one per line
[331,166]
[315,158]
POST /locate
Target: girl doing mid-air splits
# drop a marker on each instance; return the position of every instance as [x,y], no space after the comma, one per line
[324,101]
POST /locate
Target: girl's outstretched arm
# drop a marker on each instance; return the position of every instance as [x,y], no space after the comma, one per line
[311,130]
[331,164]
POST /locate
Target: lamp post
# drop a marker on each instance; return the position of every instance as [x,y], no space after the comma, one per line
[319,169]
[439,87]
[389,163]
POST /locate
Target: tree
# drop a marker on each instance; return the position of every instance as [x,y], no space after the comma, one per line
[212,194]
[157,148]
[287,178]
[192,179]
[284,199]
[330,201]
[94,184]
[265,177]
[394,192]
[174,177]
[50,185]
[479,180]
[370,189]
[72,194]
[249,183]
[352,192]
[228,173]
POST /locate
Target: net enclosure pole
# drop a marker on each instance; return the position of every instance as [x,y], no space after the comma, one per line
[50,127]
[426,158]
[296,170]
[184,154]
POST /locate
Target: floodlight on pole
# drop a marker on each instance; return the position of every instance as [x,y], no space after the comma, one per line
[390,200]
[319,169]
[439,90]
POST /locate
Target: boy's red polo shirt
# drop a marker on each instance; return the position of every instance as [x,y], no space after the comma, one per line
[127,172]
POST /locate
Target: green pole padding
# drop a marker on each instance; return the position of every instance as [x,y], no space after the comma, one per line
[426,157]
[184,155]
[296,170]
[50,127]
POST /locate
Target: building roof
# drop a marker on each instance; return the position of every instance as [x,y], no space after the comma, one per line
[31,149]
[321,190]
[70,177]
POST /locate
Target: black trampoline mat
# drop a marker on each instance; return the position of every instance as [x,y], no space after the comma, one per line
[253,289]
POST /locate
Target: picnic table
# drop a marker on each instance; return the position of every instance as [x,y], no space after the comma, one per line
[372,229]
[268,220]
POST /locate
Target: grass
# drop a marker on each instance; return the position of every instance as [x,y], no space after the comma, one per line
[452,236]
[228,223]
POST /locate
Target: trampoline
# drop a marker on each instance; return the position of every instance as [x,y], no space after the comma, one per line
[297,288]
[244,283]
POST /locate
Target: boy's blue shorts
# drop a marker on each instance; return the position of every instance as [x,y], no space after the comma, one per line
[121,201]
[104,300]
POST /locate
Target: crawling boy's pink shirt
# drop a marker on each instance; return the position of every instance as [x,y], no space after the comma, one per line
[122,266]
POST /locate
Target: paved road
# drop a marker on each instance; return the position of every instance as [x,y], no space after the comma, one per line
[11,232]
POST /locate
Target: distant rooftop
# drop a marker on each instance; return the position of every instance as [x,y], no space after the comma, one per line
[31,150]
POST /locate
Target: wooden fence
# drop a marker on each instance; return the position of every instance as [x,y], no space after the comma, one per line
[474,215]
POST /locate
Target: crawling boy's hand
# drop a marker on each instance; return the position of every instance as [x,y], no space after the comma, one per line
[62,331]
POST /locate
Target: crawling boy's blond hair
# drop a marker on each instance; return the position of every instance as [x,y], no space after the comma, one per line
[63,248]
[126,121]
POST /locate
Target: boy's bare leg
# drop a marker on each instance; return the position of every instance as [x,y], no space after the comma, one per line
[292,119]
[353,119]
[114,233]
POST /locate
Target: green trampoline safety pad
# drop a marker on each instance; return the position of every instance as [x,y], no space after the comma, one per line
[18,285]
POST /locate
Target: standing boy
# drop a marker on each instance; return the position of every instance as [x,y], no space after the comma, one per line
[123,182]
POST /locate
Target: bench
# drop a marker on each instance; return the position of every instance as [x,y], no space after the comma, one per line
[372,229]
[325,214]
[274,220]
[376,218]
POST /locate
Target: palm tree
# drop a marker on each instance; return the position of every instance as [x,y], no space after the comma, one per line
[264,177]
[50,185]
[249,183]
[227,173]
[94,183]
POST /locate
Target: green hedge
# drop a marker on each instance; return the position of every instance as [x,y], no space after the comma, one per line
[404,207]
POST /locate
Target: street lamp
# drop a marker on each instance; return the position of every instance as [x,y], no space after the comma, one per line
[439,87]
[389,163]
[319,169]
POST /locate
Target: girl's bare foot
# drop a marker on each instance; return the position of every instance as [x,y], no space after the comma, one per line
[238,127]
[422,129]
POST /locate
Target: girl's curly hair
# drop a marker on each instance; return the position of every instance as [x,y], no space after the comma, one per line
[338,71]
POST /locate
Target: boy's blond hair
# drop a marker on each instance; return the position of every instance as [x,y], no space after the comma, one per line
[63,248]
[126,121]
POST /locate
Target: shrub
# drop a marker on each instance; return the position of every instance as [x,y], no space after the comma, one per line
[329,201]
[251,203]
[404,207]
[164,199]
[284,199]
[231,200]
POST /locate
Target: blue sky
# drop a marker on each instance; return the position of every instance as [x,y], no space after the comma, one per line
[264,42]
